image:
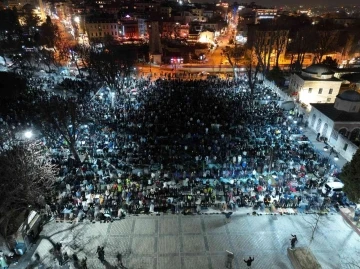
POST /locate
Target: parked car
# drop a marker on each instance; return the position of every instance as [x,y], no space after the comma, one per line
[331,187]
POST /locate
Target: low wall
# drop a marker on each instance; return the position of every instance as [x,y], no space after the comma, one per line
[347,214]
[283,95]
[338,142]
[302,258]
[206,68]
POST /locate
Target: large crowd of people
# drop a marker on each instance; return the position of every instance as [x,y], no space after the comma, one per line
[181,146]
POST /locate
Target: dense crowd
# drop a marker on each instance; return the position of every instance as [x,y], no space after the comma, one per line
[181,146]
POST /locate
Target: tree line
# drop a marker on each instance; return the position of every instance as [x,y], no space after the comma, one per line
[294,37]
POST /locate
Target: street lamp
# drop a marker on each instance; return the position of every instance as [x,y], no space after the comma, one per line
[336,157]
[112,99]
[326,148]
[28,134]
[151,59]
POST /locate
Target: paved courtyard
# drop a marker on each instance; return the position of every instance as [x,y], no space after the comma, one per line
[189,242]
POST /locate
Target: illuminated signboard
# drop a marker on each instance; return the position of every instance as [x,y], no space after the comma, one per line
[266,17]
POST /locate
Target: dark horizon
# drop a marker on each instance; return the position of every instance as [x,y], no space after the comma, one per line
[278,3]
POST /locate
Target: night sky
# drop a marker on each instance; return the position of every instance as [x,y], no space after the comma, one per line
[306,2]
[271,3]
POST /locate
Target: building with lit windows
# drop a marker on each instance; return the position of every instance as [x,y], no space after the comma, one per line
[149,6]
[265,14]
[184,17]
[165,11]
[315,84]
[100,27]
[338,122]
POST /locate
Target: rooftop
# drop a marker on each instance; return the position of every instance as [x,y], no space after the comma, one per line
[319,69]
[350,95]
[318,79]
[353,77]
[336,115]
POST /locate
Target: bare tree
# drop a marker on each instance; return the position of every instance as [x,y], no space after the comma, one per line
[24,62]
[300,45]
[59,119]
[263,46]
[325,43]
[234,55]
[47,58]
[315,220]
[80,55]
[113,65]
[26,180]
[252,70]
[352,263]
[280,42]
[349,44]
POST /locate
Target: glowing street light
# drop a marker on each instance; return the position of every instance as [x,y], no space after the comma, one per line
[28,134]
[77,19]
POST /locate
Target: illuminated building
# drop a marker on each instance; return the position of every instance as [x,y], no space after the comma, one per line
[315,84]
[265,14]
[339,122]
[100,27]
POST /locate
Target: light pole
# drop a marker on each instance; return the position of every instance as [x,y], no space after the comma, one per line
[151,59]
[271,159]
[112,93]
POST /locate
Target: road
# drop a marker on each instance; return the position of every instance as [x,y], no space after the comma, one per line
[200,241]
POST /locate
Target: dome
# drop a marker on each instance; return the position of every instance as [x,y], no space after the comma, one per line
[350,95]
[28,7]
[319,69]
